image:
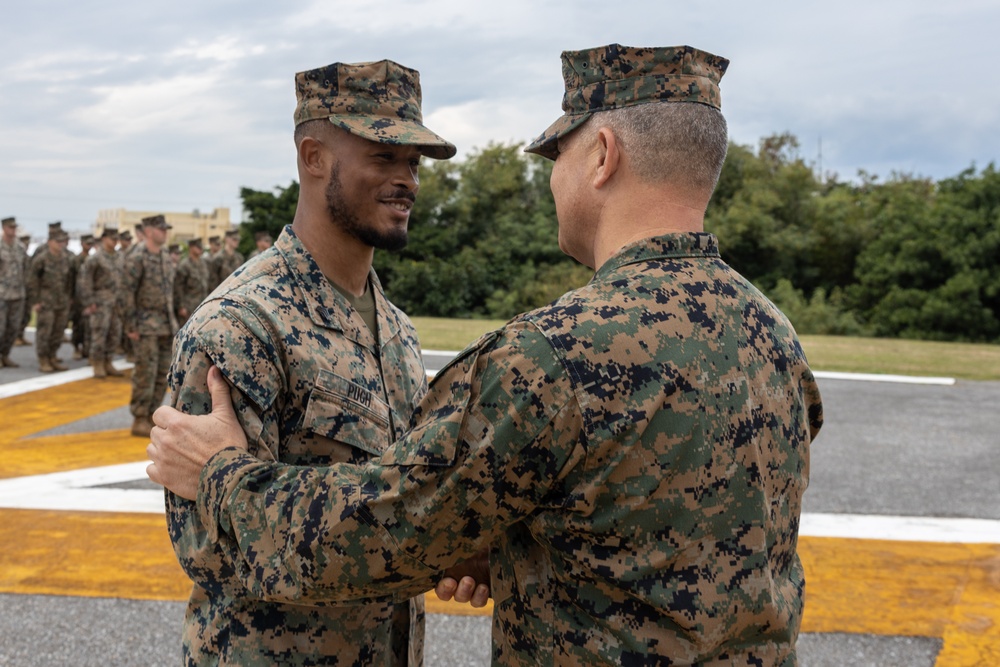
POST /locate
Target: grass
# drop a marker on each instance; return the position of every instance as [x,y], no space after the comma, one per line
[437,333]
[826,353]
[966,361]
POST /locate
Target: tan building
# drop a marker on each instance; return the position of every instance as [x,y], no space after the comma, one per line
[186,226]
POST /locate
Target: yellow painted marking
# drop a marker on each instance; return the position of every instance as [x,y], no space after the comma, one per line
[917,589]
[104,554]
[950,591]
[89,554]
[39,411]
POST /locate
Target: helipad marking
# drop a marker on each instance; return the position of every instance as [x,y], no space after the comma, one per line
[874,377]
[75,490]
[901,528]
[53,380]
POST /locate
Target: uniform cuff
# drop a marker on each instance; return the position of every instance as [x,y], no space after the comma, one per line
[218,479]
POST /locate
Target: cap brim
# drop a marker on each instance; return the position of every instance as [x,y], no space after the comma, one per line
[397,132]
[547,144]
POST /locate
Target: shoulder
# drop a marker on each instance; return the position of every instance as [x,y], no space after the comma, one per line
[234,335]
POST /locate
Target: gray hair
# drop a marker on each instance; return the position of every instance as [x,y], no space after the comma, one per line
[679,143]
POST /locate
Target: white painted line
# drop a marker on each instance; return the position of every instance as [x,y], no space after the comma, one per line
[53,380]
[826,375]
[73,491]
[901,528]
[874,377]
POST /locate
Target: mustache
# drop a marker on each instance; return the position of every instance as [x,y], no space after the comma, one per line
[400,194]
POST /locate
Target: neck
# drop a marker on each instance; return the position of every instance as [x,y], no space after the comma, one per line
[643,215]
[341,257]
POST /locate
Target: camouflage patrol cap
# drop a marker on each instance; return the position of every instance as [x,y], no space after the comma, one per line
[24,238]
[231,233]
[125,235]
[87,238]
[377,101]
[616,76]
[174,247]
[214,239]
[195,243]
[57,234]
[110,231]
[157,221]
[54,226]
[9,222]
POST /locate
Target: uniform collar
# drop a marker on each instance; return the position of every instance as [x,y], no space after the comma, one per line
[668,246]
[327,307]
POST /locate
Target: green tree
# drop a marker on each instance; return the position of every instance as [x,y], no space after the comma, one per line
[266,211]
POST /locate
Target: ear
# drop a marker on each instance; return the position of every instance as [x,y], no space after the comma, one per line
[608,157]
[313,157]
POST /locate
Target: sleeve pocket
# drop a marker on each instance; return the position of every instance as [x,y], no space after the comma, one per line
[341,410]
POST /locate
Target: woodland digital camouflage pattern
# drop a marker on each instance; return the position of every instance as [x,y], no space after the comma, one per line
[149,293]
[80,324]
[13,277]
[378,101]
[149,310]
[100,285]
[222,265]
[13,271]
[312,387]
[49,285]
[635,454]
[190,285]
[616,76]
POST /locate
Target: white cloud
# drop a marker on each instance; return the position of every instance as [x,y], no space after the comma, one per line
[476,123]
[186,102]
[224,50]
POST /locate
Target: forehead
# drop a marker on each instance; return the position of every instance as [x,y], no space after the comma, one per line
[348,141]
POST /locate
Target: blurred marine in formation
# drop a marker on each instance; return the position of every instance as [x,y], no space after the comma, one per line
[262,241]
[99,286]
[13,274]
[25,240]
[49,290]
[226,260]
[191,281]
[214,246]
[78,321]
[149,320]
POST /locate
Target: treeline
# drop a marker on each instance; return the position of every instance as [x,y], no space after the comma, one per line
[908,257]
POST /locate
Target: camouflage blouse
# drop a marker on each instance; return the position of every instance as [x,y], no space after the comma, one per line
[312,386]
[635,453]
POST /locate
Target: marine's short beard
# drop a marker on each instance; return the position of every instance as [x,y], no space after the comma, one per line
[341,214]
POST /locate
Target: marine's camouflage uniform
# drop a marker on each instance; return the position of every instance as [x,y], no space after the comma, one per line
[635,453]
[312,387]
[190,285]
[13,277]
[149,310]
[80,323]
[100,285]
[49,285]
[222,266]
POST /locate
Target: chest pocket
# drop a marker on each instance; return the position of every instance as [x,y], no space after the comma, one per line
[346,412]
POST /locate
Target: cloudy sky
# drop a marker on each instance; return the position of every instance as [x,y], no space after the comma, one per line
[175,105]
